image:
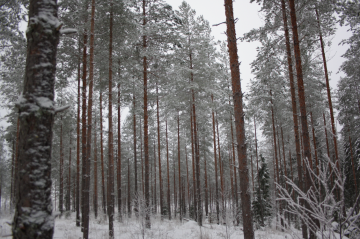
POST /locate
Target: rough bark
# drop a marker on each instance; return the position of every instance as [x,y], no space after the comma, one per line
[239,121]
[36,116]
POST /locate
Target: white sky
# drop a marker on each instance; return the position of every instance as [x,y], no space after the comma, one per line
[249,18]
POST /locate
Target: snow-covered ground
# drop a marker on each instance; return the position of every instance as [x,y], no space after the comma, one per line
[132,228]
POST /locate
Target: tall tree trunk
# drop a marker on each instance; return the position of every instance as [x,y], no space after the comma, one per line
[95,173]
[168,173]
[89,126]
[235,177]
[294,107]
[102,158]
[146,136]
[77,203]
[119,157]
[301,92]
[216,170]
[193,162]
[110,190]
[129,190]
[197,156]
[68,203]
[159,154]
[187,177]
[221,171]
[175,194]
[12,176]
[179,165]
[206,187]
[155,194]
[239,122]
[33,185]
[328,91]
[61,171]
[314,143]
[83,129]
[135,155]
[283,147]
[141,156]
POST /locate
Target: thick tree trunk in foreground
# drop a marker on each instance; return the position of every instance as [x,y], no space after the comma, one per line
[239,122]
[36,114]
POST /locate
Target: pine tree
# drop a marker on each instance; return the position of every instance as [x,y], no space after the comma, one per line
[261,205]
[36,113]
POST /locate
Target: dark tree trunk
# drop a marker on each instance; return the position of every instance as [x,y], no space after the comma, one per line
[135,155]
[168,173]
[328,91]
[216,170]
[77,203]
[221,171]
[95,173]
[83,130]
[102,159]
[193,162]
[146,136]
[33,186]
[12,176]
[68,203]
[110,190]
[197,156]
[119,157]
[61,171]
[159,154]
[301,92]
[235,177]
[239,122]
[179,165]
[129,190]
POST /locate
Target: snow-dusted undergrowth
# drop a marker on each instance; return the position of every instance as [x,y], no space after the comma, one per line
[131,228]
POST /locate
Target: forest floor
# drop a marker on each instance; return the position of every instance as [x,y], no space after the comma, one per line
[131,228]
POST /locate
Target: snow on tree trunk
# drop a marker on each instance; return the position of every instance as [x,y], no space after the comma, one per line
[33,216]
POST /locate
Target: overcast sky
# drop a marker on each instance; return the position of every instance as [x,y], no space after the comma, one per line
[249,18]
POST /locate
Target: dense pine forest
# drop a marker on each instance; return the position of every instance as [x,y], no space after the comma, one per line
[129,115]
